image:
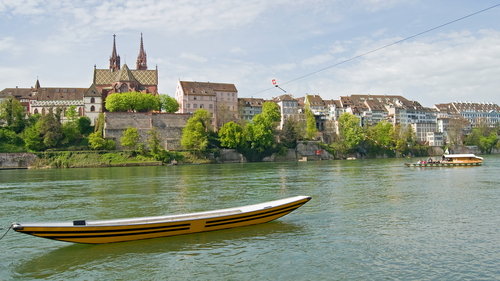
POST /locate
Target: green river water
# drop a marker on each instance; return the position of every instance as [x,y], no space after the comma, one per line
[368,220]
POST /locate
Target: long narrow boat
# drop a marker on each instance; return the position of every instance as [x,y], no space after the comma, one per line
[120,230]
[450,160]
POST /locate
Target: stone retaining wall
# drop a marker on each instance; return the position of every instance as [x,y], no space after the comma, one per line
[169,126]
[17,160]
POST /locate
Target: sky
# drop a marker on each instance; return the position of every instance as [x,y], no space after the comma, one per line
[422,50]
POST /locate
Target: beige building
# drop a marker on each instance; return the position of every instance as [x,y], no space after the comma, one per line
[220,99]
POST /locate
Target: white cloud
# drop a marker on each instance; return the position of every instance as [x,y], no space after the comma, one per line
[193,57]
[21,7]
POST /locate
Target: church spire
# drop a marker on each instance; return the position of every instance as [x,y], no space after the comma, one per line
[114,60]
[141,63]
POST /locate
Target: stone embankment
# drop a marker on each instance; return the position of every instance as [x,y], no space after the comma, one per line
[306,151]
[17,160]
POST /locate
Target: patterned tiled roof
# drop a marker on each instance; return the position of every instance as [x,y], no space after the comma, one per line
[92,91]
[107,77]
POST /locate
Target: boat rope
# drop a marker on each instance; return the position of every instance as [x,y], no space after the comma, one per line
[5,232]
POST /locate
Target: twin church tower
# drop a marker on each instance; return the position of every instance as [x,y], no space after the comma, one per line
[114,60]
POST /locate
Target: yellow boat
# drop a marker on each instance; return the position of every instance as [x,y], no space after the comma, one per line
[450,160]
[120,230]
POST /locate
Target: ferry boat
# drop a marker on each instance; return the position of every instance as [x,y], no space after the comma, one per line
[120,230]
[450,160]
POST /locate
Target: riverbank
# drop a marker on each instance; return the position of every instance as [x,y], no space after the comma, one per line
[307,151]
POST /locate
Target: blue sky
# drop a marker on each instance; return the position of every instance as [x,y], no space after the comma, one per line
[249,43]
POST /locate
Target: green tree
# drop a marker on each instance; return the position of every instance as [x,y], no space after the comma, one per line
[195,134]
[96,141]
[231,135]
[130,137]
[132,101]
[154,141]
[51,130]
[168,104]
[484,137]
[261,130]
[291,133]
[32,138]
[84,124]
[12,113]
[311,130]
[350,131]
[71,113]
[382,138]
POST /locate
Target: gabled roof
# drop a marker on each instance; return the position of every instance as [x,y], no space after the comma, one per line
[315,100]
[251,102]
[108,77]
[92,91]
[125,75]
[284,98]
[18,93]
[60,93]
[206,88]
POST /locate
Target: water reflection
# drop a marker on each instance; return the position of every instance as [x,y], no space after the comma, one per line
[77,257]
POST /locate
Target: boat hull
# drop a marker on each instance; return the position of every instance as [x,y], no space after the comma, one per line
[442,164]
[111,231]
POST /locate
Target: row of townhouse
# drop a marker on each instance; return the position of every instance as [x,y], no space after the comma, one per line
[221,100]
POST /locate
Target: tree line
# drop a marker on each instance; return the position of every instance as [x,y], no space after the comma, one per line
[255,139]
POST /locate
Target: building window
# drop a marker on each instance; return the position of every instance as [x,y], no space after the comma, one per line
[195,105]
[202,106]
[36,111]
[124,88]
[210,106]
[92,108]
[92,100]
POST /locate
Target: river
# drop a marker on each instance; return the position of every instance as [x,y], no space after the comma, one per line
[367,220]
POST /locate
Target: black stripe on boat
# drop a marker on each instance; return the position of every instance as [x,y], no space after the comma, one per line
[104,230]
[61,236]
[239,219]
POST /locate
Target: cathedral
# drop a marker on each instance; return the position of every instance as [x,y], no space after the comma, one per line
[120,79]
[90,101]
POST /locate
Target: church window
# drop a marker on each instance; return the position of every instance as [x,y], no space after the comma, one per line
[36,111]
[92,108]
[43,111]
[92,100]
[123,88]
